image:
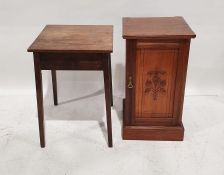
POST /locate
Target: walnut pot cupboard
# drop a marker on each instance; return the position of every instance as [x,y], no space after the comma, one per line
[157,52]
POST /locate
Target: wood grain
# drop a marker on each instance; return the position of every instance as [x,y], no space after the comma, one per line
[61,47]
[157,51]
[74,39]
[150,61]
[156,27]
[161,133]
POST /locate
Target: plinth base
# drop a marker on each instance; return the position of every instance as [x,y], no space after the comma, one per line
[163,133]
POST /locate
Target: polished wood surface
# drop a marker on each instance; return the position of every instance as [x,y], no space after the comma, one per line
[73,48]
[156,67]
[155,81]
[74,39]
[156,27]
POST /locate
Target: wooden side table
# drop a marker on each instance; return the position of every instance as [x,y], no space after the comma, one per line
[73,47]
[157,50]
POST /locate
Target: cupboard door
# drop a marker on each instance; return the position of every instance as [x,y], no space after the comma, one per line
[155,75]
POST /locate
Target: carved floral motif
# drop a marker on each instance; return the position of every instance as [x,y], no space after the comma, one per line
[155,84]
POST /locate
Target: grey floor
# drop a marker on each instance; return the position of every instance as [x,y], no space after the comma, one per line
[76,139]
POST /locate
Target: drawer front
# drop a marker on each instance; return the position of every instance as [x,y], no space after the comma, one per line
[155,80]
[57,61]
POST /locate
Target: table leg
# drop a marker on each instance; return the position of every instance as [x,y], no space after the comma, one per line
[111,87]
[39,94]
[54,84]
[108,101]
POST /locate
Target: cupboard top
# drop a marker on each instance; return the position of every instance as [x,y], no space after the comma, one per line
[156,27]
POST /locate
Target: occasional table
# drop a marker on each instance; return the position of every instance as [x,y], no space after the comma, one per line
[73,47]
[157,50]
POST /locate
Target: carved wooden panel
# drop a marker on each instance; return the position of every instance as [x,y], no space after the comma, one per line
[155,82]
[157,51]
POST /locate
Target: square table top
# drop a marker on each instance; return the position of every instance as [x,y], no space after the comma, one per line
[74,39]
[156,27]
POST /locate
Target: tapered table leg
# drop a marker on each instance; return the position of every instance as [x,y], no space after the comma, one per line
[39,94]
[54,85]
[108,101]
[110,76]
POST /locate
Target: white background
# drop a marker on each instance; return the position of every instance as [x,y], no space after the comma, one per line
[76,135]
[21,21]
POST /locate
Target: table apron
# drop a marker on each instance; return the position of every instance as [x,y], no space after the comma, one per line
[72,61]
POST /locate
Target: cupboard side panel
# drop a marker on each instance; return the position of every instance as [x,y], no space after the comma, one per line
[181,81]
[130,72]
